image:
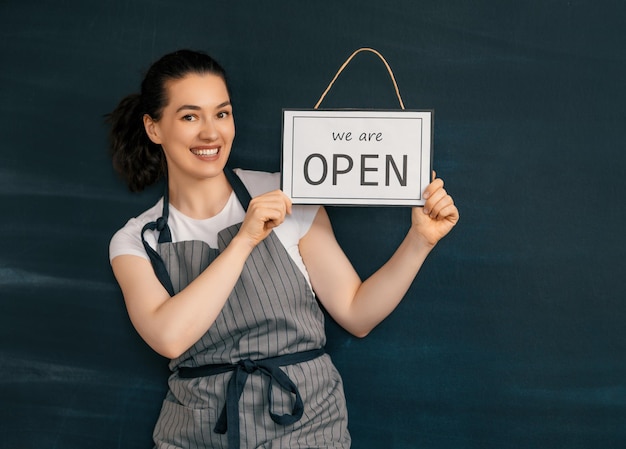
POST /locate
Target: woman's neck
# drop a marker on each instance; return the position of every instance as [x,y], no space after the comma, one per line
[200,199]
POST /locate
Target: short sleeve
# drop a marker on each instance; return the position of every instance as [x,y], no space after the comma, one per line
[127,241]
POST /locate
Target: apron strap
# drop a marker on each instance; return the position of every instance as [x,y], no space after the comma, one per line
[165,235]
[237,185]
[157,262]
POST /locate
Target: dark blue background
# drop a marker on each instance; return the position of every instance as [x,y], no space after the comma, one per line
[513,334]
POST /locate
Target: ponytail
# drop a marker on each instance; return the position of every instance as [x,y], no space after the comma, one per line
[135,157]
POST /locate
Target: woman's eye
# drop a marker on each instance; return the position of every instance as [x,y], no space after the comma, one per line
[189,118]
[223,114]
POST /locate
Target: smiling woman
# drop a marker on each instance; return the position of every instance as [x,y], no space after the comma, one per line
[219,275]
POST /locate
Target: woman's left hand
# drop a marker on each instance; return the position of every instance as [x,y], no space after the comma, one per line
[438,216]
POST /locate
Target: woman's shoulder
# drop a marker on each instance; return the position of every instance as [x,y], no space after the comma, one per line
[127,240]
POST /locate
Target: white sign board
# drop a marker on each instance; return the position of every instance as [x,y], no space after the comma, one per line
[356,157]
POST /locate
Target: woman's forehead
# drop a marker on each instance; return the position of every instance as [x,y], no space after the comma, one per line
[205,90]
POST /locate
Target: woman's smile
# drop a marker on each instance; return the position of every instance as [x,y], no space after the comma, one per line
[205,151]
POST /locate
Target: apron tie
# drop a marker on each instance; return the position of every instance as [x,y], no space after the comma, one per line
[161,224]
[228,421]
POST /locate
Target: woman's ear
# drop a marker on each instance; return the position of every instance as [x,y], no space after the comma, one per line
[152,129]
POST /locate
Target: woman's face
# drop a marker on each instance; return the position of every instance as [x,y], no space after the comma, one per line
[196,129]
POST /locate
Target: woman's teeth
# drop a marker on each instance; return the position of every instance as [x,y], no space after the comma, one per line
[210,152]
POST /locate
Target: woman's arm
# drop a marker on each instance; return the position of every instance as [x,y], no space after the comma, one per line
[170,325]
[360,306]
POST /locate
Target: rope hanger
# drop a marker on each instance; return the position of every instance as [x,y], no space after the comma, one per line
[371,50]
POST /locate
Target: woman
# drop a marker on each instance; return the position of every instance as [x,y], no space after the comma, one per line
[219,275]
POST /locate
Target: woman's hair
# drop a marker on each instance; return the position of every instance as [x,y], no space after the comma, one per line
[140,161]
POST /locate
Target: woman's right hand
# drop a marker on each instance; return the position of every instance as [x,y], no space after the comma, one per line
[265,212]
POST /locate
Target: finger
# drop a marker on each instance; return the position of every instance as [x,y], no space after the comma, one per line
[449,213]
[271,200]
[277,197]
[263,205]
[440,208]
[266,211]
[288,204]
[272,212]
[433,204]
[433,199]
[432,187]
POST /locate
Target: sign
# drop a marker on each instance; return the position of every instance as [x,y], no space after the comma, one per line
[357,157]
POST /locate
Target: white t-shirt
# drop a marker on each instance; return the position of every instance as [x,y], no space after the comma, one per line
[127,241]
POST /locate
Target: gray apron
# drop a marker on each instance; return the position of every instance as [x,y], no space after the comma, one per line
[258,378]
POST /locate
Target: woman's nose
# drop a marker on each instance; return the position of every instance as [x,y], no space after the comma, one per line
[208,131]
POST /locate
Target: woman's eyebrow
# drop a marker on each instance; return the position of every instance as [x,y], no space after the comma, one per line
[188,106]
[197,108]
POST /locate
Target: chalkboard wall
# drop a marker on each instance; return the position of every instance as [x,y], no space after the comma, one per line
[513,334]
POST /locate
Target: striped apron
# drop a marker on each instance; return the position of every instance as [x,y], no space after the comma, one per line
[258,378]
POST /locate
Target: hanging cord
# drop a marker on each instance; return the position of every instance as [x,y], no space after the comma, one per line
[393,79]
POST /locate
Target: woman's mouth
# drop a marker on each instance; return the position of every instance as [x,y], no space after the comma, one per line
[205,151]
